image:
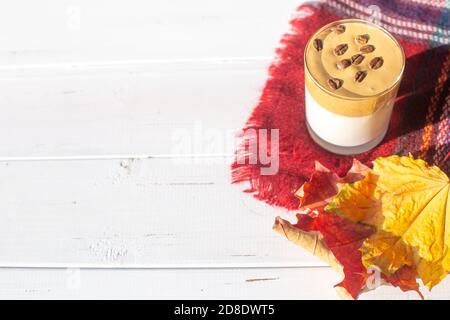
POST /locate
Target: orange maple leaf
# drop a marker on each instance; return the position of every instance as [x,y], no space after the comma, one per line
[336,239]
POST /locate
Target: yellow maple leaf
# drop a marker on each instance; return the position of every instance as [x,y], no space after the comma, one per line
[408,203]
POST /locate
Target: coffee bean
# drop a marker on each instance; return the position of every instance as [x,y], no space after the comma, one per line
[362,38]
[339,29]
[367,49]
[376,63]
[360,75]
[344,64]
[318,44]
[335,83]
[357,59]
[341,49]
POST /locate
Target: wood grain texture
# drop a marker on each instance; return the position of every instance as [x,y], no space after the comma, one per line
[261,283]
[116,132]
[127,109]
[70,31]
[132,213]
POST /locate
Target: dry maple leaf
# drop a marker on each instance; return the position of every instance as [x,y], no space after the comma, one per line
[324,185]
[407,202]
[332,238]
[336,241]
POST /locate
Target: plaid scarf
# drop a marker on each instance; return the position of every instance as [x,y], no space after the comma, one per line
[420,123]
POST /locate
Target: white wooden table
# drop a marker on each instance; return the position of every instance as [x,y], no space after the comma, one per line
[101,194]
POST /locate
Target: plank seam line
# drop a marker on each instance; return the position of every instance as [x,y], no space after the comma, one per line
[106,268]
[116,157]
[138,62]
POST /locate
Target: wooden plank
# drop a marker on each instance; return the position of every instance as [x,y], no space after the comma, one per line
[131,77]
[262,283]
[127,109]
[132,213]
[54,31]
[167,284]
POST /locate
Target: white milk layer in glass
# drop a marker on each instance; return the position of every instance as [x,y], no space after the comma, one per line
[346,131]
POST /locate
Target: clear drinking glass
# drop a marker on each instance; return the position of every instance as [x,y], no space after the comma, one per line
[353,69]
